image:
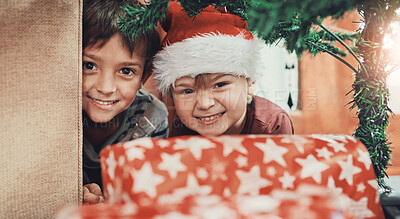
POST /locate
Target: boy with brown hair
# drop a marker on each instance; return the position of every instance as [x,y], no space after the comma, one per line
[115,109]
[209,65]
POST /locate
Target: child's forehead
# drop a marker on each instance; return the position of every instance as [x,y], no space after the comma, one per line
[205,79]
[199,77]
[118,42]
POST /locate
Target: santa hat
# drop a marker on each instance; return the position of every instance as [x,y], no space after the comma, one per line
[215,41]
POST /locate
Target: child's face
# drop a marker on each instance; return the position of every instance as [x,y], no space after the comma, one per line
[217,107]
[111,77]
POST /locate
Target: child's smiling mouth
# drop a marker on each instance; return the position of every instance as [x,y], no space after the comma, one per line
[207,120]
[103,103]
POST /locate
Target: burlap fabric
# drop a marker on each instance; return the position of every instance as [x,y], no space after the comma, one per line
[40,122]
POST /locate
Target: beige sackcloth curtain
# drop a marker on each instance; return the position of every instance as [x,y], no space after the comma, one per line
[40,106]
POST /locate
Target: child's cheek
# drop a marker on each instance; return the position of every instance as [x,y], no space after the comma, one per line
[87,82]
[184,104]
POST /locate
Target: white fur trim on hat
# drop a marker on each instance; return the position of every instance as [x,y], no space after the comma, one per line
[208,53]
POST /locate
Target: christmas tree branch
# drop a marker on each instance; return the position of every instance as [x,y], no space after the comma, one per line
[140,18]
[334,55]
[345,45]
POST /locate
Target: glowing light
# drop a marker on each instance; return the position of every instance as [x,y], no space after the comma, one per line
[391,46]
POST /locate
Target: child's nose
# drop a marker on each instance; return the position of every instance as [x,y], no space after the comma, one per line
[205,100]
[106,84]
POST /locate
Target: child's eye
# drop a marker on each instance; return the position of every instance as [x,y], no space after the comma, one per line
[220,84]
[127,71]
[89,66]
[186,91]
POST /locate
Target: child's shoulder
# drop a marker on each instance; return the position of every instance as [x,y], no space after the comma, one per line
[266,111]
[269,117]
[145,100]
[262,105]
[146,116]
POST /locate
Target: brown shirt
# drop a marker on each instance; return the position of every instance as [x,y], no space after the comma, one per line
[262,117]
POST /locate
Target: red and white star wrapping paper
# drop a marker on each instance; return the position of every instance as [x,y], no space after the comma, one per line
[307,202]
[168,170]
[246,176]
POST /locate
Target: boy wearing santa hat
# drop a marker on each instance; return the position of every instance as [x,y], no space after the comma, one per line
[208,65]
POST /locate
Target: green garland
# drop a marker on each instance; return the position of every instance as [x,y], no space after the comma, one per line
[267,14]
[313,41]
[295,22]
[141,18]
[193,8]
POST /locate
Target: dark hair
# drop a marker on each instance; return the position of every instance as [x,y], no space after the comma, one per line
[100,23]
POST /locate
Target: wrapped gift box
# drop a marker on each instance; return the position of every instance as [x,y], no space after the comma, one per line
[243,176]
[308,202]
[167,170]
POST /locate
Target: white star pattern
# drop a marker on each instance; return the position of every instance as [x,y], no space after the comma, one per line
[297,140]
[348,170]
[271,171]
[227,192]
[332,186]
[171,164]
[252,136]
[327,138]
[202,173]
[364,158]
[324,152]
[241,161]
[121,161]
[322,137]
[129,209]
[135,152]
[217,169]
[343,138]
[337,146]
[111,164]
[331,142]
[163,143]
[335,165]
[360,187]
[193,188]
[175,215]
[146,181]
[259,204]
[215,211]
[109,192]
[311,168]
[374,184]
[143,142]
[251,182]
[208,200]
[232,143]
[360,209]
[126,198]
[195,145]
[287,180]
[272,152]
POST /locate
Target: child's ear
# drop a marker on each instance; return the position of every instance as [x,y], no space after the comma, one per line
[252,88]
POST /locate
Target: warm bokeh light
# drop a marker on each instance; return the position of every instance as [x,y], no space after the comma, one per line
[391,46]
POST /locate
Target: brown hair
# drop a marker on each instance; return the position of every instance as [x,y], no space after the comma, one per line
[100,23]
